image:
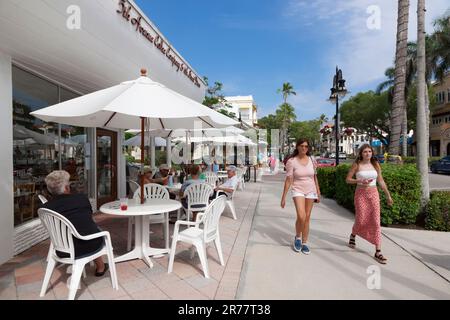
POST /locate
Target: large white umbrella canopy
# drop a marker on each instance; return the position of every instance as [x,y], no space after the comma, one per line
[123,106]
[129,104]
[136,141]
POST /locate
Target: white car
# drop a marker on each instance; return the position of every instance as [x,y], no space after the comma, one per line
[342,155]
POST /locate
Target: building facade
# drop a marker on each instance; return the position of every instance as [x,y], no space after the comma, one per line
[52,51]
[349,140]
[440,120]
[245,107]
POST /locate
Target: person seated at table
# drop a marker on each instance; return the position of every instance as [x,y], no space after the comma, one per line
[148,177]
[193,178]
[78,210]
[163,173]
[229,186]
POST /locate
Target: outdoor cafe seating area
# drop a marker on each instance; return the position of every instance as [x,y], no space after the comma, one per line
[155,240]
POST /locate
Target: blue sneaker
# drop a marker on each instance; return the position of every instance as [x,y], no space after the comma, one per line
[305,249]
[297,244]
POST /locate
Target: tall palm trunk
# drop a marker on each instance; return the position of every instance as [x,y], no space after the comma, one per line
[422,139]
[405,133]
[399,103]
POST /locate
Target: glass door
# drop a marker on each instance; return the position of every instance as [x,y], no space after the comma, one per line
[106,166]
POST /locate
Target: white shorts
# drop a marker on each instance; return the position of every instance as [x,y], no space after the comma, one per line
[311,195]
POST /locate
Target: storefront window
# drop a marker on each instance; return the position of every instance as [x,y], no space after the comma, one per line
[37,151]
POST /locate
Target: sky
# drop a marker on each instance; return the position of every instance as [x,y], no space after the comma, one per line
[254,46]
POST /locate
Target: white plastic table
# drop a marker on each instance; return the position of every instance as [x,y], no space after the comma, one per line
[142,249]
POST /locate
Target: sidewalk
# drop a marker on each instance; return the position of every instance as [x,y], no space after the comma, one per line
[418,266]
[21,278]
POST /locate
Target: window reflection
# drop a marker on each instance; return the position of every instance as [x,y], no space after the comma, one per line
[36,147]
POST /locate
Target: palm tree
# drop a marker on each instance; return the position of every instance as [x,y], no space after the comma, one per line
[399,101]
[287,90]
[441,48]
[422,137]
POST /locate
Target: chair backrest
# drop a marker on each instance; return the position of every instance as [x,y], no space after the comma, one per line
[42,198]
[60,230]
[211,178]
[211,218]
[152,191]
[133,186]
[198,194]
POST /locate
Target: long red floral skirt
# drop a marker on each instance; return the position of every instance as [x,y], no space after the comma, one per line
[367,215]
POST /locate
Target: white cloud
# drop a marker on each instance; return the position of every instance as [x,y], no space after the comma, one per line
[363,54]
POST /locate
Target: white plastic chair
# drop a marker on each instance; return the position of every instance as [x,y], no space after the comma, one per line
[151,191]
[198,237]
[62,232]
[197,195]
[211,178]
[230,202]
[241,178]
[44,201]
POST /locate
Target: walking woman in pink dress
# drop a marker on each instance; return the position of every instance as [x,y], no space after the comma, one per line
[367,200]
[301,176]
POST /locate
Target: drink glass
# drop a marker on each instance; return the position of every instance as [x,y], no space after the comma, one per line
[123,204]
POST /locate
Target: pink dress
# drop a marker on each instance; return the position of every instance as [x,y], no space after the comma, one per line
[367,214]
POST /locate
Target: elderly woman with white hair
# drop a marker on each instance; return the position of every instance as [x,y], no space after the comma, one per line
[77,209]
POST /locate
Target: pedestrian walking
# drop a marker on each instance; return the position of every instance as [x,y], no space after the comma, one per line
[272,163]
[301,176]
[367,200]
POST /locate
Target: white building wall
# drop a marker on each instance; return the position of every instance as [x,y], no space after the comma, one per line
[6,161]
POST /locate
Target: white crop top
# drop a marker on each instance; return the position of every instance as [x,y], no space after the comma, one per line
[368,174]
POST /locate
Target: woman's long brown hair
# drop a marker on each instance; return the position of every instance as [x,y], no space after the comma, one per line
[373,160]
[299,142]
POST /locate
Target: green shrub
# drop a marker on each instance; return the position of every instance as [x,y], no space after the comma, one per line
[438,211]
[344,192]
[403,183]
[327,178]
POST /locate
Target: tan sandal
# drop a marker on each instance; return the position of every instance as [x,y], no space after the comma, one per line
[379,257]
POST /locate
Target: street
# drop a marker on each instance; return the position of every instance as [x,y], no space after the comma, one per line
[439,181]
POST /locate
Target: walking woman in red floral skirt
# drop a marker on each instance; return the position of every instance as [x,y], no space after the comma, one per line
[367,200]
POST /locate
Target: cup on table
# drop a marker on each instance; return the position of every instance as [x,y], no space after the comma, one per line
[124,204]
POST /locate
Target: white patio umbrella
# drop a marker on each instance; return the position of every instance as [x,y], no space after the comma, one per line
[130,105]
[136,141]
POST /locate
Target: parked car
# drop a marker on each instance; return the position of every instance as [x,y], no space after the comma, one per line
[342,155]
[380,158]
[442,165]
[323,162]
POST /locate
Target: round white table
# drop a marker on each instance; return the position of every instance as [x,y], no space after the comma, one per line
[142,249]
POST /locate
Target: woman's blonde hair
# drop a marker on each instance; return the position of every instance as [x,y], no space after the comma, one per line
[57,181]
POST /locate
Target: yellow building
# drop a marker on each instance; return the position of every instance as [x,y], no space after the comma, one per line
[245,107]
[440,120]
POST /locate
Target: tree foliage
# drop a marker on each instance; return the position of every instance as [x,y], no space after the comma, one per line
[368,112]
[216,100]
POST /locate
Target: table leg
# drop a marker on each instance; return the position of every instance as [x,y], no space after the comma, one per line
[145,227]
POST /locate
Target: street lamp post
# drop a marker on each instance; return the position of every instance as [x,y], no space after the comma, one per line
[337,91]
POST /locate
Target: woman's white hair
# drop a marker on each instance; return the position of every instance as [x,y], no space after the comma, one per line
[57,181]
